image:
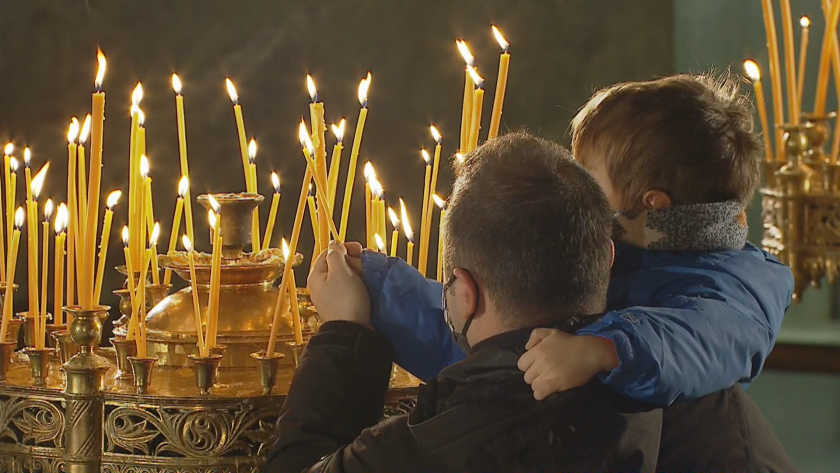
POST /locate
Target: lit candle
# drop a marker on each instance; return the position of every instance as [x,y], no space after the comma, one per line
[61,219]
[145,221]
[316,114]
[382,219]
[442,206]
[135,188]
[313,217]
[478,99]
[10,197]
[255,215]
[81,185]
[755,77]
[409,234]
[380,243]
[111,201]
[466,110]
[459,159]
[805,23]
[320,186]
[8,296]
[183,189]
[422,260]
[272,214]
[34,192]
[364,85]
[368,172]
[287,270]
[296,326]
[215,275]
[427,182]
[182,150]
[45,258]
[131,331]
[790,61]
[775,70]
[825,57]
[97,124]
[141,297]
[240,129]
[73,208]
[374,209]
[335,161]
[153,248]
[501,84]
[395,233]
[199,335]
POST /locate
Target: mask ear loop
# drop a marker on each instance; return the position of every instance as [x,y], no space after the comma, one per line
[475,309]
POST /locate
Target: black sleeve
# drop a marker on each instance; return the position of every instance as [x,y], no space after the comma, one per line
[337,391]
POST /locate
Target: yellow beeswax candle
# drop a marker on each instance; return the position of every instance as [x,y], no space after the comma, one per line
[442,206]
[61,219]
[272,213]
[501,84]
[240,130]
[96,134]
[45,257]
[131,331]
[292,289]
[364,85]
[466,110]
[8,299]
[755,77]
[790,61]
[111,201]
[478,99]
[775,69]
[395,232]
[255,215]
[335,162]
[805,23]
[81,185]
[199,335]
[183,188]
[182,150]
[409,233]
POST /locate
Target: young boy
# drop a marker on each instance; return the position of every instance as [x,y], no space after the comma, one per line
[692,307]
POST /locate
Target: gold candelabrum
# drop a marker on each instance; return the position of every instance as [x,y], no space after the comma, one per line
[191,414]
[801,205]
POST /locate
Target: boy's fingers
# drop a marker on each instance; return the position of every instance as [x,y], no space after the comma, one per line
[318,273]
[355,264]
[336,260]
[537,335]
[354,248]
[525,361]
[532,374]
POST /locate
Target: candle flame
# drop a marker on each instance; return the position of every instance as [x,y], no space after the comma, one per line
[469,59]
[211,219]
[185,240]
[252,151]
[376,187]
[286,249]
[61,218]
[395,221]
[137,94]
[153,238]
[125,235]
[275,181]
[409,233]
[19,218]
[27,157]
[100,71]
[426,156]
[369,172]
[144,166]
[364,85]
[176,83]
[379,243]
[311,190]
[113,199]
[477,79]
[141,117]
[234,97]
[83,136]
[435,133]
[9,149]
[214,204]
[439,202]
[338,131]
[310,85]
[38,181]
[805,22]
[752,70]
[459,158]
[305,141]
[13,164]
[183,186]
[500,39]
[48,209]
[73,130]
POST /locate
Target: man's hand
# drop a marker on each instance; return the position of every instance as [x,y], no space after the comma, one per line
[354,256]
[337,292]
[557,361]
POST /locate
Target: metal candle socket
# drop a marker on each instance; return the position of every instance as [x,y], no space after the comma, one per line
[267,367]
[297,350]
[29,327]
[64,344]
[15,323]
[39,364]
[206,370]
[142,369]
[7,351]
[125,348]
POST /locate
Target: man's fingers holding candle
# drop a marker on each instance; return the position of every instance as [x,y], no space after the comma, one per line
[337,292]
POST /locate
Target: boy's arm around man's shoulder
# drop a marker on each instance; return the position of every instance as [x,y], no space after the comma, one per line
[707,332]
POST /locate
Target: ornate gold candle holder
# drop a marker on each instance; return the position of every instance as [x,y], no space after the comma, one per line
[267,368]
[85,369]
[141,369]
[206,369]
[7,351]
[124,348]
[65,345]
[39,363]
[15,323]
[52,329]
[125,306]
[297,350]
[29,328]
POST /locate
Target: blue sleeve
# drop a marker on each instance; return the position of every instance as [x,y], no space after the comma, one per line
[692,347]
[406,307]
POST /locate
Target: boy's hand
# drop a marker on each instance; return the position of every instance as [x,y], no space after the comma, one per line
[354,256]
[337,292]
[557,361]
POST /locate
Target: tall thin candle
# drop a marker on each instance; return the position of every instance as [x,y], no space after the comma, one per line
[478,102]
[805,23]
[97,128]
[10,204]
[466,110]
[81,185]
[61,219]
[73,209]
[45,257]
[501,84]
[364,85]
[255,215]
[395,233]
[292,289]
[111,201]
[183,189]
[409,233]
[8,299]
[240,130]
[131,331]
[272,213]
[182,151]
[775,69]
[317,124]
[199,335]
[442,206]
[335,162]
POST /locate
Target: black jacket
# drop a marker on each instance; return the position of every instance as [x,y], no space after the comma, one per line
[478,415]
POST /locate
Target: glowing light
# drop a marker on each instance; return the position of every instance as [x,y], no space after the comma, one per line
[500,39]
[234,97]
[38,181]
[100,71]
[48,209]
[379,243]
[176,83]
[435,133]
[426,156]
[137,94]
[13,164]
[459,158]
[364,85]
[477,79]
[752,70]
[286,249]
[469,59]
[73,130]
[125,235]
[395,221]
[83,136]
[153,238]
[183,186]
[144,166]
[61,218]
[409,233]
[275,181]
[19,218]
[805,22]
[185,240]
[439,202]
[252,151]
[113,199]
[9,149]
[214,204]
[338,131]
[310,85]
[27,157]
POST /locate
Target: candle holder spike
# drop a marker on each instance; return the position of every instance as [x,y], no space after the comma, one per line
[235,227]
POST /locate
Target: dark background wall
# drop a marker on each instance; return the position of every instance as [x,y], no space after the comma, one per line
[562,50]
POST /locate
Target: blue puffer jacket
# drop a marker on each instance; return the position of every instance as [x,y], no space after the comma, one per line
[684,324]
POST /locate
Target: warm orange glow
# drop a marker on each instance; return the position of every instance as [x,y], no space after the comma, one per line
[185,240]
[9,149]
[137,94]
[426,156]
[469,59]
[395,221]
[459,158]
[153,238]
[409,233]
[214,204]
[13,164]
[38,181]
[234,97]
[83,135]
[176,83]
[438,201]
[500,39]
[113,199]
[285,245]
[252,150]
[48,209]
[27,157]
[310,85]
[305,141]
[61,218]
[73,130]
[100,72]
[275,181]
[183,186]
[369,173]
[125,235]
[752,70]
[144,166]
[805,22]
[364,85]
[380,244]
[435,133]
[338,131]
[477,79]
[19,218]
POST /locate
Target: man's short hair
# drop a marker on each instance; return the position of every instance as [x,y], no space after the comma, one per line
[531,224]
[691,136]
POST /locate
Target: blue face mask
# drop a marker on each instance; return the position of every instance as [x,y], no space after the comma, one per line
[460,338]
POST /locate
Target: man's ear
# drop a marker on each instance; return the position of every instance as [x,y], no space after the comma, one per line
[464,293]
[612,253]
[656,199]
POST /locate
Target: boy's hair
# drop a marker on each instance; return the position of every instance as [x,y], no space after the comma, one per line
[531,224]
[690,136]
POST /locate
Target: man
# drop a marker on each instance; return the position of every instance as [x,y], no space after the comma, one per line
[507,273]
